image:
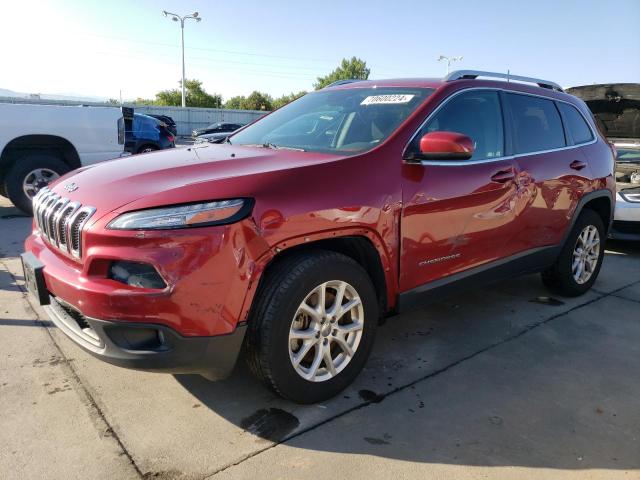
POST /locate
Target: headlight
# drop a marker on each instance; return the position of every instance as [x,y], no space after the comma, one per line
[182,216]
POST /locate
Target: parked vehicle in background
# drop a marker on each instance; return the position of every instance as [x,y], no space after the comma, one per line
[148,134]
[298,235]
[39,143]
[616,107]
[212,137]
[168,121]
[220,127]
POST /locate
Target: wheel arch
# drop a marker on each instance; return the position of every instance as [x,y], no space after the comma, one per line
[39,143]
[600,201]
[362,246]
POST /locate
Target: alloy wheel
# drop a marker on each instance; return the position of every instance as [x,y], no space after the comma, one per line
[326,330]
[585,254]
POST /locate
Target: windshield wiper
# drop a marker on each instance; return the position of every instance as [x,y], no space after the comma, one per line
[282,147]
[273,146]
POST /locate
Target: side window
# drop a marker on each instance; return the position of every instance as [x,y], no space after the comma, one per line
[476,114]
[575,124]
[536,124]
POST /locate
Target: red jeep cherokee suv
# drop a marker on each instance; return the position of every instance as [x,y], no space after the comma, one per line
[294,238]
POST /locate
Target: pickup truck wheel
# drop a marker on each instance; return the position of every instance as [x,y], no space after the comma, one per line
[578,265]
[313,326]
[29,174]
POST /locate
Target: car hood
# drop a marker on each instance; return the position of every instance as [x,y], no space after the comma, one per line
[181,175]
[616,107]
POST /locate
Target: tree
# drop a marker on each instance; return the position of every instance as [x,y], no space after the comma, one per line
[195,95]
[283,100]
[354,68]
[257,101]
[235,103]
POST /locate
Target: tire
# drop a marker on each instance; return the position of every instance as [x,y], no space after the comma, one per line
[147,149]
[560,277]
[269,349]
[23,168]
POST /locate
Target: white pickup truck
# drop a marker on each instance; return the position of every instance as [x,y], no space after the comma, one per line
[39,143]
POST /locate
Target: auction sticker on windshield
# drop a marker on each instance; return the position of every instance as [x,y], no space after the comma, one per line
[383,99]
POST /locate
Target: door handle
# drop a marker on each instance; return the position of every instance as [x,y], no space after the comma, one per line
[503,176]
[577,165]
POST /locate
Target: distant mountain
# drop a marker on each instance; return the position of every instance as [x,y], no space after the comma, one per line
[47,96]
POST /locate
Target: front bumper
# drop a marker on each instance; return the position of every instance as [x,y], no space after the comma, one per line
[193,325]
[626,220]
[149,347]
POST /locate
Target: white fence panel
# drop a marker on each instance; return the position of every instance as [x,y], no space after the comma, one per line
[187,119]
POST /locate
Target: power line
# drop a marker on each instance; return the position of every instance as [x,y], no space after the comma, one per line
[232,52]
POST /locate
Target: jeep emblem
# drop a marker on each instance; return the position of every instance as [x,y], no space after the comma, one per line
[71,187]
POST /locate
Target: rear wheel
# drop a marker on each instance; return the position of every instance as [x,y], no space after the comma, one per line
[578,265]
[147,149]
[313,326]
[29,174]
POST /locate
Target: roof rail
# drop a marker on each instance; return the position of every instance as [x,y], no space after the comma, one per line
[344,82]
[462,74]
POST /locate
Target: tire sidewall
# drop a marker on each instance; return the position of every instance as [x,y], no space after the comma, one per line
[283,372]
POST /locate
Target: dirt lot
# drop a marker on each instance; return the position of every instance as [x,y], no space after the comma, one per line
[500,382]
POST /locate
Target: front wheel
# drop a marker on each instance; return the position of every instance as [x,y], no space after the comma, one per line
[313,326]
[579,262]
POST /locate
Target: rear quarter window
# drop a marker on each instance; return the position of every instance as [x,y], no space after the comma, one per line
[575,124]
[536,123]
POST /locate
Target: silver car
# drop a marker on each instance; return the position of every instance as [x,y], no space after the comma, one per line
[626,223]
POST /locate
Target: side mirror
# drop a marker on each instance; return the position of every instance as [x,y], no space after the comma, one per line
[445,146]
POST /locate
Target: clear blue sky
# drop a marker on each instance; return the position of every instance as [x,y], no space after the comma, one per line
[97,47]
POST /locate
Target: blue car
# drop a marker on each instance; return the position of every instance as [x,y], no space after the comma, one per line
[148,134]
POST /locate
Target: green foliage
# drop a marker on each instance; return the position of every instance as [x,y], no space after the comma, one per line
[234,103]
[283,100]
[354,68]
[196,96]
[255,101]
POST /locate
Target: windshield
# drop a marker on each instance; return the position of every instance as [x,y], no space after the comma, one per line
[340,121]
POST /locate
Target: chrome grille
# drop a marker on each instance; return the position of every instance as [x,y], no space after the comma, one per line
[60,221]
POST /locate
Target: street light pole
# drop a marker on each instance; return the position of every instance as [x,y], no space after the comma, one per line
[177,18]
[449,61]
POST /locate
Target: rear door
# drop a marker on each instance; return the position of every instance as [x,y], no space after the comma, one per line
[551,171]
[456,214]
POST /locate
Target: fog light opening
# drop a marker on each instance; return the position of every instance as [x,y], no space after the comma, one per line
[136,274]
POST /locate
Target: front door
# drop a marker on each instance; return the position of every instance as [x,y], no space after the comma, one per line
[457,214]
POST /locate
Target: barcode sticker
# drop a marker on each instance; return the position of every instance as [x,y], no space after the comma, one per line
[386,99]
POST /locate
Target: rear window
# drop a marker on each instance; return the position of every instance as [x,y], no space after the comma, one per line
[575,124]
[536,123]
